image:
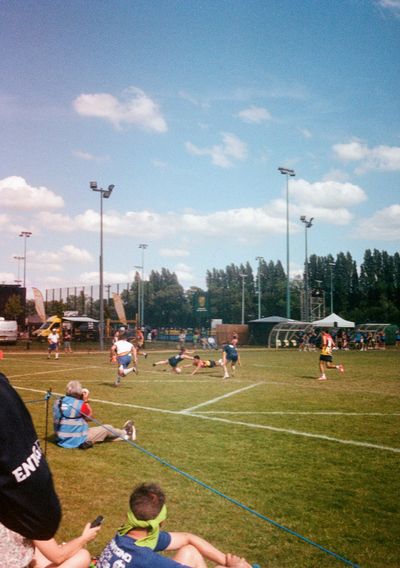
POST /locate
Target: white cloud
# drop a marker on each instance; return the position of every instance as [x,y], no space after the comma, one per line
[390,5]
[327,194]
[15,193]
[136,109]
[254,114]
[306,133]
[184,274]
[109,277]
[7,278]
[57,261]
[222,155]
[88,157]
[386,158]
[7,226]
[384,225]
[173,252]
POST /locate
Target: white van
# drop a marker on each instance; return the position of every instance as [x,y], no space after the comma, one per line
[8,331]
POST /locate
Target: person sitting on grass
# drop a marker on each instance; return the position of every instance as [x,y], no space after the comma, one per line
[175,360]
[137,543]
[203,364]
[71,414]
[72,554]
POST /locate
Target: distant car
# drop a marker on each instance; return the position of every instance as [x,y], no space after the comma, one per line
[8,331]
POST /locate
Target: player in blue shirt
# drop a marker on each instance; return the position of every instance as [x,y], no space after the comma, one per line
[230,355]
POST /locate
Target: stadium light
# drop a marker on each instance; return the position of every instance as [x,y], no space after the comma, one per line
[104,194]
[143,247]
[259,258]
[242,276]
[332,264]
[18,258]
[25,235]
[288,173]
[139,296]
[307,225]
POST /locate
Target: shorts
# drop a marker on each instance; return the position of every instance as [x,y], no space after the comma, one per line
[53,346]
[327,358]
[232,359]
[173,362]
[124,360]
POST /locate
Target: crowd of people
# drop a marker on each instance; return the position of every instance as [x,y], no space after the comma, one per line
[30,510]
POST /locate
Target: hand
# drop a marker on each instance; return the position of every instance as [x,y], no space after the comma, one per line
[236,562]
[90,533]
[85,394]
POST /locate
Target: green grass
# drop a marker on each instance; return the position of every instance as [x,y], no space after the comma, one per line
[315,457]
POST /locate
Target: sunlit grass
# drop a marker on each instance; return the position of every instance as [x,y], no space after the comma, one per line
[284,444]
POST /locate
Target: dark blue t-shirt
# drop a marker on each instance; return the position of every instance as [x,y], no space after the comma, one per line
[122,552]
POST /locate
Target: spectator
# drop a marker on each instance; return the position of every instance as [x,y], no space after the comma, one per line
[29,506]
[47,553]
[137,543]
[71,414]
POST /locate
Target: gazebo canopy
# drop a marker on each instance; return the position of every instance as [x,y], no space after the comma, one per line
[333,321]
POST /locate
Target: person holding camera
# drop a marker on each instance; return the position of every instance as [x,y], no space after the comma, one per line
[71,414]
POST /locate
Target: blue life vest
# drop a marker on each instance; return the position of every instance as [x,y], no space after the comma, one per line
[70,427]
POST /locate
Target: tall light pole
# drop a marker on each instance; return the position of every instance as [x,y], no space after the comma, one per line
[242,276]
[18,258]
[139,298]
[331,264]
[259,258]
[288,173]
[104,194]
[25,235]
[307,225]
[143,247]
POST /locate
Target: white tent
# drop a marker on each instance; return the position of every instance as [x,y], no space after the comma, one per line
[333,321]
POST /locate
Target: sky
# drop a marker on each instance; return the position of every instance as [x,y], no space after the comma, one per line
[189,108]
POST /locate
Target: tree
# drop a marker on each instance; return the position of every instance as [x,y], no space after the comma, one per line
[13,307]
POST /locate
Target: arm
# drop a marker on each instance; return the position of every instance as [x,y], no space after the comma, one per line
[58,553]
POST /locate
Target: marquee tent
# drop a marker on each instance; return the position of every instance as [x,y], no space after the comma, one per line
[333,321]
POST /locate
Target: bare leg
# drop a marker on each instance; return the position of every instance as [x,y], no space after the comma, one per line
[190,556]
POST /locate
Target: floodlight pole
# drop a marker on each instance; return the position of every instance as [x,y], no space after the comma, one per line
[143,247]
[331,264]
[25,235]
[104,194]
[242,276]
[18,258]
[288,173]
[307,225]
[259,258]
[139,298]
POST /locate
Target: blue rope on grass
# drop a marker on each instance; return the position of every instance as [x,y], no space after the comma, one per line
[234,501]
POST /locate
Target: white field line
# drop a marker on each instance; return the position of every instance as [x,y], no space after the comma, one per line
[187,410]
[58,370]
[295,413]
[238,423]
[298,433]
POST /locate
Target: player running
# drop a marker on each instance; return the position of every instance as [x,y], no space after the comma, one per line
[325,359]
[124,352]
[230,355]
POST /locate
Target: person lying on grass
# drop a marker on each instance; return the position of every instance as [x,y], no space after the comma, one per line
[203,364]
[137,543]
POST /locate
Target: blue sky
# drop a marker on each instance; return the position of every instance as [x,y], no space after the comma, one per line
[189,108]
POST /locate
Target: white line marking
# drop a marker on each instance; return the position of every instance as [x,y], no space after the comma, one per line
[299,433]
[59,369]
[290,413]
[187,410]
[246,424]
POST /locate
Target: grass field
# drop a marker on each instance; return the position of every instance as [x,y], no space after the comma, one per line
[320,458]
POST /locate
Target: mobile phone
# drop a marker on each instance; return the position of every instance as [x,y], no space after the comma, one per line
[98,520]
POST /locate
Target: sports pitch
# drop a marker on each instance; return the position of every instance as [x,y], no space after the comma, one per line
[320,459]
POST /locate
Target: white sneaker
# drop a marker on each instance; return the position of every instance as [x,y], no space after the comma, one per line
[226,377]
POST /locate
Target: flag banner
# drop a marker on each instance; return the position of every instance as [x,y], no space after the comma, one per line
[119,308]
[39,304]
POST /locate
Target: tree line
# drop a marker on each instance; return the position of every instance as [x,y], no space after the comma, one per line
[370,292]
